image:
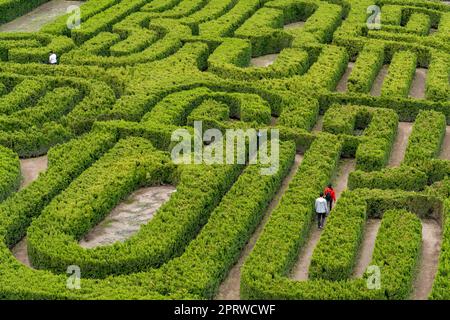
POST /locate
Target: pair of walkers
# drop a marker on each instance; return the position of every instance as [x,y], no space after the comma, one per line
[324,204]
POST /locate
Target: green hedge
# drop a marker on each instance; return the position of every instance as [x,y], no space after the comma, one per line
[18,210]
[335,254]
[9,172]
[199,190]
[286,231]
[403,177]
[426,138]
[366,68]
[11,9]
[437,86]
[400,75]
[232,57]
[375,143]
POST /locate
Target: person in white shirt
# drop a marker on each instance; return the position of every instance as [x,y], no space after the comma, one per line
[321,208]
[53,59]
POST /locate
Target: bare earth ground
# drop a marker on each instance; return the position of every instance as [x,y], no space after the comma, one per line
[342,85]
[418,85]
[367,246]
[378,83]
[30,169]
[301,268]
[34,20]
[319,124]
[294,25]
[263,61]
[428,264]
[127,218]
[445,150]
[20,251]
[230,287]
[401,142]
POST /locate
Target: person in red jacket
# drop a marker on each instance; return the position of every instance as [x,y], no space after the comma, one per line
[330,196]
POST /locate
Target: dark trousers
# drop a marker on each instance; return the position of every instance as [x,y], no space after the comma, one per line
[320,219]
[330,204]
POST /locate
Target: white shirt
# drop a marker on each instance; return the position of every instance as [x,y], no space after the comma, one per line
[321,205]
[52,59]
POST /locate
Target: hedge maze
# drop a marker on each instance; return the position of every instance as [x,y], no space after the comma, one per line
[137,70]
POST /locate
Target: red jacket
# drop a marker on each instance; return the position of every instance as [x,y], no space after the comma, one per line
[331,191]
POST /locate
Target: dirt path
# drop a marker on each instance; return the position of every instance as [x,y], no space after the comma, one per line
[30,169]
[428,264]
[319,124]
[230,287]
[34,20]
[340,182]
[127,218]
[378,83]
[263,61]
[20,251]
[445,149]
[367,246]
[294,25]
[418,85]
[400,144]
[300,271]
[342,85]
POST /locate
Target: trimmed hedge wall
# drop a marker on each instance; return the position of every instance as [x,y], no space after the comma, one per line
[9,172]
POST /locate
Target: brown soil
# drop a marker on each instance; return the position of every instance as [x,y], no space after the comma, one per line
[263,61]
[230,287]
[418,85]
[342,85]
[34,20]
[400,144]
[30,169]
[127,218]
[445,149]
[378,83]
[428,264]
[367,246]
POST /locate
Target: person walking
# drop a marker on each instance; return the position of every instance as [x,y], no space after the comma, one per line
[53,59]
[330,196]
[321,210]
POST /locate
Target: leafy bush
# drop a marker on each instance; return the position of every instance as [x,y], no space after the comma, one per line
[400,75]
[9,172]
[426,138]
